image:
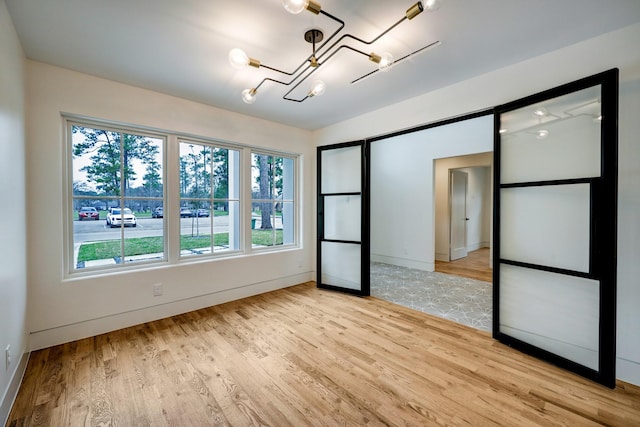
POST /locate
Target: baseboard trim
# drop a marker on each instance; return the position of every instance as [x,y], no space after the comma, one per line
[12,391]
[442,257]
[92,327]
[628,371]
[403,262]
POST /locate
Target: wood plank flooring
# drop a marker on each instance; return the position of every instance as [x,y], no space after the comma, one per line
[307,357]
[474,266]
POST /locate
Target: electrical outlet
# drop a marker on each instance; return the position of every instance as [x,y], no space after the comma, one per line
[157,289]
[7,357]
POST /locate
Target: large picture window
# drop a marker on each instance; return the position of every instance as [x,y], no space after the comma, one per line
[273,194]
[117,186]
[209,199]
[138,197]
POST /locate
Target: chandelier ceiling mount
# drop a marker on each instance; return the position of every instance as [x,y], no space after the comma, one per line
[324,51]
[314,36]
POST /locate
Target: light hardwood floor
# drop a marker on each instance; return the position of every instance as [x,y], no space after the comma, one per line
[474,266]
[302,356]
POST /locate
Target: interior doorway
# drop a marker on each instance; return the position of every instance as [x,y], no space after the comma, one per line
[476,265]
[407,194]
[463,222]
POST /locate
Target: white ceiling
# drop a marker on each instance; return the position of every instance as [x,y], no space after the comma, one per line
[180,47]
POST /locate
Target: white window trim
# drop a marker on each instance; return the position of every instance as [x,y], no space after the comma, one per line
[297,182]
[171,198]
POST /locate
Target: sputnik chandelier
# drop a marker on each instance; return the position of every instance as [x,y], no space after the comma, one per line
[321,54]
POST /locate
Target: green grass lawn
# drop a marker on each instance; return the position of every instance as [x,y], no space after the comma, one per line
[151,245]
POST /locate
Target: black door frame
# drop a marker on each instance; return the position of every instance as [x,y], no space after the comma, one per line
[365,235]
[603,234]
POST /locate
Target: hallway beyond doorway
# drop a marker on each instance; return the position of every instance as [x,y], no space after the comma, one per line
[474,266]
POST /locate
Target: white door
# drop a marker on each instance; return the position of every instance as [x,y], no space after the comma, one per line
[458,182]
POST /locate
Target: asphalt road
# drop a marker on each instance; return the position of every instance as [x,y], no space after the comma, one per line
[91,231]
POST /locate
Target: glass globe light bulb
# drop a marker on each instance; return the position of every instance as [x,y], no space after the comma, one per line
[432,4]
[317,88]
[238,59]
[386,62]
[295,6]
[249,96]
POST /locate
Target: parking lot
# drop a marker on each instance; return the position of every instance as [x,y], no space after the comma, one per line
[91,231]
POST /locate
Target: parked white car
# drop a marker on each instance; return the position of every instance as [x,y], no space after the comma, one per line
[117,217]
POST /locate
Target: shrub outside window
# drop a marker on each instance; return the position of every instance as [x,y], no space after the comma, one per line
[273,191]
[117,182]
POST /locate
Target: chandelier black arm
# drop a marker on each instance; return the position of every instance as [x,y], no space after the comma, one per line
[340,21]
[364,41]
[297,73]
[306,61]
[281,82]
[315,69]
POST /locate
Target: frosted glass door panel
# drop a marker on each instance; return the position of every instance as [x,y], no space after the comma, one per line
[341,170]
[563,142]
[342,217]
[546,225]
[554,312]
[341,265]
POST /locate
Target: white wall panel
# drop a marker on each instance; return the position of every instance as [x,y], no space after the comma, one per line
[13,224]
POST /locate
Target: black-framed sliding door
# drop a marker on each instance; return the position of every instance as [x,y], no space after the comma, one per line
[555,225]
[343,227]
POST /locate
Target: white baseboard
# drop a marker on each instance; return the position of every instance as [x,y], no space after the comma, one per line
[442,257]
[628,371]
[478,245]
[12,391]
[403,262]
[92,327]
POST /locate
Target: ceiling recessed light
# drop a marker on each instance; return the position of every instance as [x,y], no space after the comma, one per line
[540,112]
[542,134]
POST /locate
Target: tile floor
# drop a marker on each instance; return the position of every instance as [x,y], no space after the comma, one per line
[459,299]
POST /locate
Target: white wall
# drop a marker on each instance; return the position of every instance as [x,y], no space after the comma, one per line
[616,49]
[402,188]
[66,309]
[478,201]
[13,261]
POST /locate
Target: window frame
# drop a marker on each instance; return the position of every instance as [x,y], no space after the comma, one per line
[295,201]
[214,144]
[170,158]
[71,269]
